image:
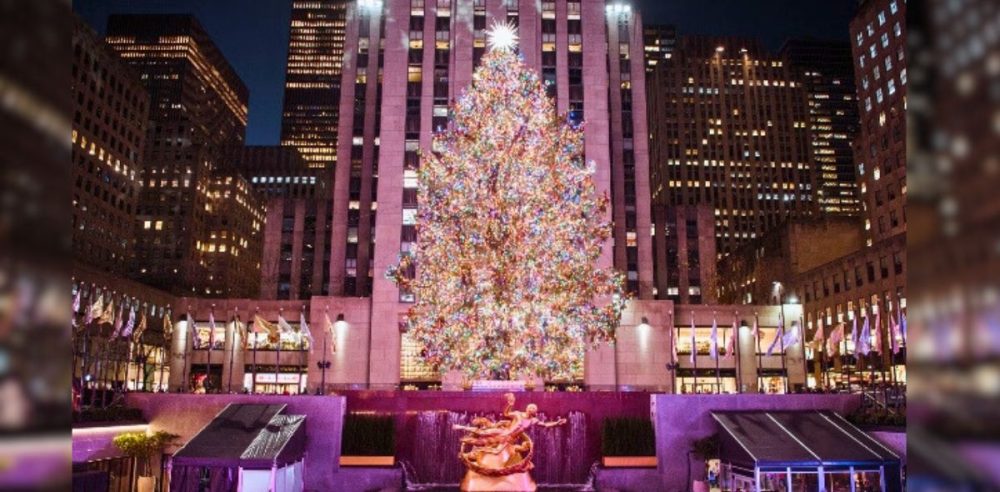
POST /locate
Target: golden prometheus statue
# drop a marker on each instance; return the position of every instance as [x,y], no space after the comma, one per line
[498,454]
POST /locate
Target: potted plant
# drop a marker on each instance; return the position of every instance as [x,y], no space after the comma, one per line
[628,443]
[704,449]
[143,446]
[368,440]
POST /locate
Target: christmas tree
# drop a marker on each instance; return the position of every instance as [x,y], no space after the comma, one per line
[510,229]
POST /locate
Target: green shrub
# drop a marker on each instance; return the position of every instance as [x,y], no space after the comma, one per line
[627,437]
[368,435]
[143,446]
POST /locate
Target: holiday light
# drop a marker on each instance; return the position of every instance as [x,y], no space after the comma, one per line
[510,230]
[502,36]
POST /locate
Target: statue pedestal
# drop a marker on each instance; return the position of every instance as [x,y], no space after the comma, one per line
[518,482]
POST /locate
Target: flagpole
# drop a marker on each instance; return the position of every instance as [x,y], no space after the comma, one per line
[253,384]
[211,342]
[718,373]
[736,351]
[781,335]
[802,341]
[277,364]
[189,340]
[694,352]
[232,346]
[760,356]
[845,360]
[163,349]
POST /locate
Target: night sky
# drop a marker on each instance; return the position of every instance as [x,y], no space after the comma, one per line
[253,34]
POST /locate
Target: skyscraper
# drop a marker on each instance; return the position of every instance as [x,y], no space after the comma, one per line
[878,42]
[295,263]
[730,128]
[198,108]
[312,80]
[826,72]
[660,41]
[110,107]
[407,60]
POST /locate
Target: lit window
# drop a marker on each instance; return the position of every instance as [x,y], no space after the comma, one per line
[885,40]
[409,216]
[872,51]
[897,30]
[902,76]
[892,86]
[159,225]
[861,38]
[881,18]
[147,224]
[893,7]
[871,29]
[888,63]
[878,95]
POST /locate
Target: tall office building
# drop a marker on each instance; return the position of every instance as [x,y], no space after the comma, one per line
[878,42]
[295,263]
[730,128]
[109,133]
[407,60]
[659,41]
[826,72]
[198,108]
[312,80]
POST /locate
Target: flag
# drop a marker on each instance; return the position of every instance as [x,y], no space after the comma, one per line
[819,336]
[168,326]
[854,333]
[330,331]
[902,325]
[108,314]
[713,350]
[76,300]
[271,329]
[304,328]
[778,336]
[139,330]
[95,310]
[895,335]
[120,322]
[755,332]
[792,336]
[877,348]
[694,348]
[833,343]
[731,345]
[192,329]
[130,326]
[211,330]
[864,343]
[238,338]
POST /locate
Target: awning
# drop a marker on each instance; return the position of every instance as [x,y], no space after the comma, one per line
[246,435]
[810,439]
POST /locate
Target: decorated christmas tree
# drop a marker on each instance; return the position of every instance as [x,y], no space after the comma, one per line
[510,229]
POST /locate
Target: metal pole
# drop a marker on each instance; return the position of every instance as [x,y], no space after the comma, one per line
[277,362]
[232,349]
[718,372]
[760,356]
[736,351]
[322,383]
[253,382]
[208,350]
[781,333]
[694,350]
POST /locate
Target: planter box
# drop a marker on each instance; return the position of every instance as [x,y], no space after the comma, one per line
[367,460]
[629,462]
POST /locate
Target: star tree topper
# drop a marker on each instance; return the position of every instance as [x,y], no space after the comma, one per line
[502,36]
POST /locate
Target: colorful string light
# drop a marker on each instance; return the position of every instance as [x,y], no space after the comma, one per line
[510,230]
